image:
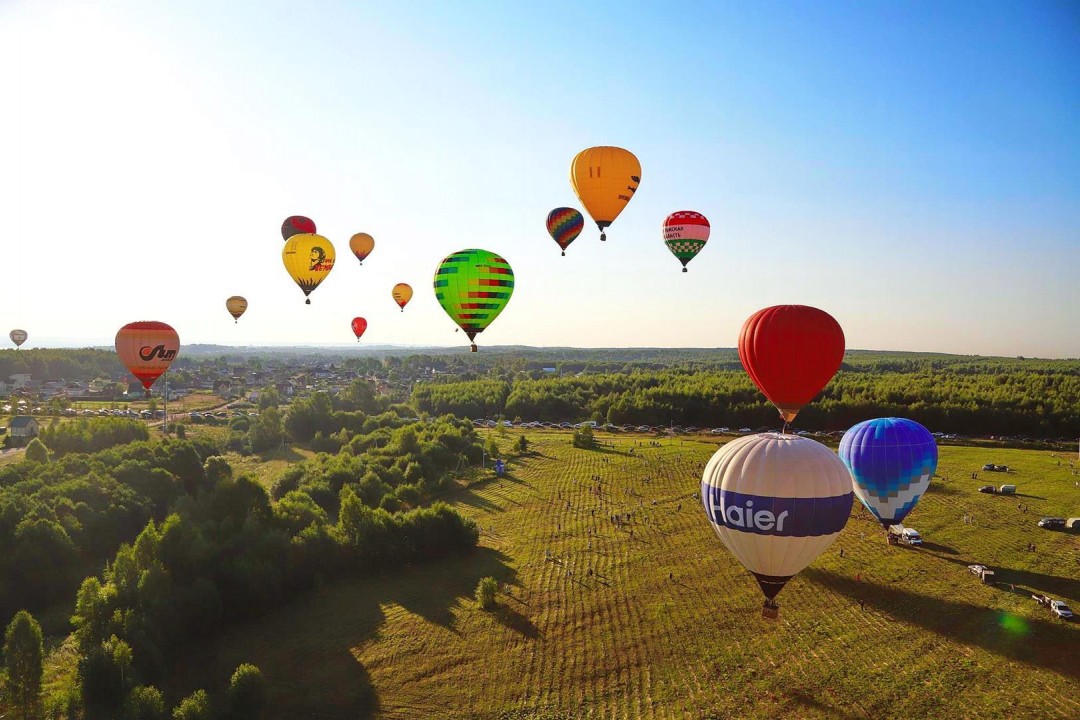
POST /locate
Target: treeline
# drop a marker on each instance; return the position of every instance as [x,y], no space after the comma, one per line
[1006,398]
[54,364]
[90,435]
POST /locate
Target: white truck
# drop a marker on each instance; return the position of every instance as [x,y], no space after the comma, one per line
[905,535]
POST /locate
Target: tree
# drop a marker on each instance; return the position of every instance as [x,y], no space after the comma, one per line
[247,693]
[492,448]
[522,445]
[583,438]
[195,706]
[22,659]
[144,703]
[269,397]
[485,593]
[37,452]
[267,432]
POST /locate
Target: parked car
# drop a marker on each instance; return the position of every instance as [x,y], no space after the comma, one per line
[988,489]
[1049,523]
[1007,490]
[985,574]
[1059,608]
[1073,523]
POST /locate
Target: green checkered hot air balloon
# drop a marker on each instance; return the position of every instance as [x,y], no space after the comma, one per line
[473,287]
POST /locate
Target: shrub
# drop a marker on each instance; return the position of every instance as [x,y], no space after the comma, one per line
[485,593]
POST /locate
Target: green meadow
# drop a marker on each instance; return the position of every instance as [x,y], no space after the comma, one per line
[655,619]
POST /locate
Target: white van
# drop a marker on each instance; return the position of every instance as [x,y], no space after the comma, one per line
[911,536]
[1007,490]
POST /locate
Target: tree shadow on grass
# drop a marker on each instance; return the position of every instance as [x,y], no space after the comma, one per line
[803,704]
[1040,643]
[467,496]
[513,620]
[435,590]
[1039,582]
[938,548]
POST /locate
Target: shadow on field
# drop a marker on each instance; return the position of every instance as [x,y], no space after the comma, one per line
[801,702]
[1036,642]
[939,548]
[940,488]
[1040,582]
[513,620]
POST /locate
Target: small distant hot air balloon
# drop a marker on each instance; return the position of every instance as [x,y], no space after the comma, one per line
[473,287]
[605,178]
[891,462]
[402,294]
[236,306]
[777,502]
[359,325]
[791,352]
[564,225]
[685,233]
[361,245]
[147,349]
[309,258]
[18,337]
[295,225]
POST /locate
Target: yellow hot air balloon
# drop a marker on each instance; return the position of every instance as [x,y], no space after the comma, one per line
[605,178]
[402,294]
[361,245]
[309,258]
[236,306]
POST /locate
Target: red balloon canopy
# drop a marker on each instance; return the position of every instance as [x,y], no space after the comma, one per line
[359,325]
[147,349]
[295,225]
[791,352]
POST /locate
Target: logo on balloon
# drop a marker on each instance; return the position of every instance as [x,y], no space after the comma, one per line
[149,353]
[782,517]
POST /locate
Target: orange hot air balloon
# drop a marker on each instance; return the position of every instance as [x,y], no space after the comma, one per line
[361,245]
[402,295]
[147,349]
[791,352]
[236,306]
[605,179]
[359,325]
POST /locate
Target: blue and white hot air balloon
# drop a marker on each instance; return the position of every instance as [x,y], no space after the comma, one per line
[777,502]
[891,462]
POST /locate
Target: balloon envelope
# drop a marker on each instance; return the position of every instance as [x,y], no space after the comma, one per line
[685,233]
[605,178]
[18,337]
[236,306]
[564,225]
[361,245]
[791,352]
[296,224]
[891,461]
[473,287]
[776,502]
[402,294]
[308,259]
[147,349]
[359,325]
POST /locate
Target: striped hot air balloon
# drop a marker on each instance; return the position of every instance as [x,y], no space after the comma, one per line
[473,287]
[685,233]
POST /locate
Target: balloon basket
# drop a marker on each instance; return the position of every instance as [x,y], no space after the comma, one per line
[564,253]
[603,237]
[770,610]
[684,269]
[308,301]
[472,348]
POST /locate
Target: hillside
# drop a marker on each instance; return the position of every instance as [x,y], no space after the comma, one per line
[666,624]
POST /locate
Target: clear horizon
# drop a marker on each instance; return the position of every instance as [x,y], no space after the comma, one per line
[913,170]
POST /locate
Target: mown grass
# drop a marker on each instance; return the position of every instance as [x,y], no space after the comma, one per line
[666,624]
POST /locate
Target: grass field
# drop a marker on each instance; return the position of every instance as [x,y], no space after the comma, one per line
[666,624]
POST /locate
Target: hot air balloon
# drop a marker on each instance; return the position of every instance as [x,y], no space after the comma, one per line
[147,349]
[777,502]
[605,178]
[296,224]
[236,306]
[309,258]
[685,233]
[791,352]
[564,225]
[361,245]
[359,325]
[891,461]
[402,294]
[18,337]
[473,287]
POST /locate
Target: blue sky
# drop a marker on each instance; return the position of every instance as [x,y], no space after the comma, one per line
[913,169]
